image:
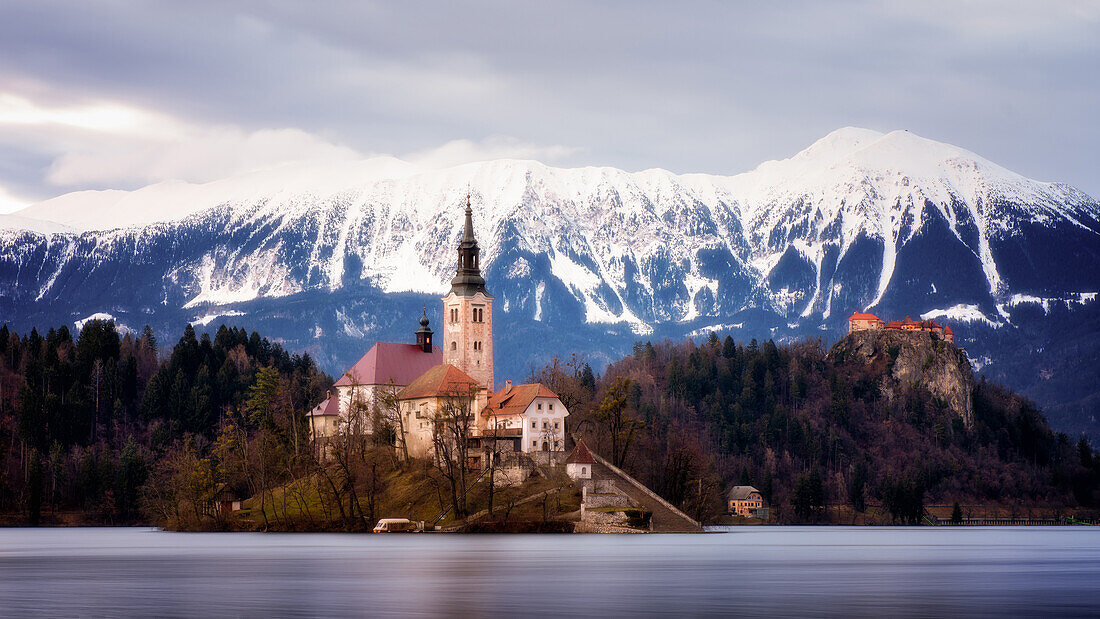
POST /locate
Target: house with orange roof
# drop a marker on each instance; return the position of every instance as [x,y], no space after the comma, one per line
[860,321]
[530,414]
[441,397]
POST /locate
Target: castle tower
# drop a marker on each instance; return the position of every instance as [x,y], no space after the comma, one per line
[468,313]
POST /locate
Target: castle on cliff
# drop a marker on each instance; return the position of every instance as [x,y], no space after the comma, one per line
[860,321]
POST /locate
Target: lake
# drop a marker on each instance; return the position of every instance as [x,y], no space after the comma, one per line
[815,571]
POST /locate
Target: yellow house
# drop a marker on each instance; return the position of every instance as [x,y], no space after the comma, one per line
[745,501]
[443,395]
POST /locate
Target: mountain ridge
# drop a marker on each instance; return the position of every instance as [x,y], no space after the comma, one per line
[892,222]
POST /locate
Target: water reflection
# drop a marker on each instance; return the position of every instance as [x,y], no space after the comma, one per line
[748,571]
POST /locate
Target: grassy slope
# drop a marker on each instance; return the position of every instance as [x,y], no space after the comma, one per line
[414,493]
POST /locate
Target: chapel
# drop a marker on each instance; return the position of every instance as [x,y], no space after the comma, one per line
[422,390]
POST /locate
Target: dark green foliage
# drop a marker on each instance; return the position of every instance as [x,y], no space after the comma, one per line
[809,496]
[903,497]
[588,379]
[956,514]
[104,407]
[776,413]
[131,474]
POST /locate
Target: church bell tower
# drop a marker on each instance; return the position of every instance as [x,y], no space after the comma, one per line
[468,313]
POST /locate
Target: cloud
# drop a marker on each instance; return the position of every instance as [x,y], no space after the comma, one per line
[10,203]
[99,116]
[690,87]
[110,144]
[457,152]
[199,156]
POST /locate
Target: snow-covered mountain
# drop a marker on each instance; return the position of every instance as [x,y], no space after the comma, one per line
[595,257]
[857,220]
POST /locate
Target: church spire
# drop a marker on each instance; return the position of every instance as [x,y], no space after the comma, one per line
[468,280]
[468,233]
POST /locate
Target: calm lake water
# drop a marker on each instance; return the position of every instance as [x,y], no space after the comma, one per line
[803,571]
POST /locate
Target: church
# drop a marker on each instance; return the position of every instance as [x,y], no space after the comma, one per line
[422,389]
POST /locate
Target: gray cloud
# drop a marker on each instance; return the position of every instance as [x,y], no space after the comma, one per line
[705,86]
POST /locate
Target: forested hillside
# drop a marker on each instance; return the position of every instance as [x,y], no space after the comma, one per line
[810,428]
[107,428]
[84,422]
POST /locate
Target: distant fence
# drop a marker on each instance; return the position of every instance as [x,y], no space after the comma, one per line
[1014,522]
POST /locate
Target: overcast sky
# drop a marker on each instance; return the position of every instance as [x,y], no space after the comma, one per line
[116,94]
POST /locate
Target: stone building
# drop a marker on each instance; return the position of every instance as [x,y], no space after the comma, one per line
[430,381]
[441,396]
[860,321]
[468,313]
[531,413]
[357,396]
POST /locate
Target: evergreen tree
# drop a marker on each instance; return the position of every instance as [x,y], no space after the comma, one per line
[809,496]
[149,339]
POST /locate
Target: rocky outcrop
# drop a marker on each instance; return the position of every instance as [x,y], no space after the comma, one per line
[913,359]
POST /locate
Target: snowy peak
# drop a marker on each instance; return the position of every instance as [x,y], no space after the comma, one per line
[852,157]
[173,200]
[859,219]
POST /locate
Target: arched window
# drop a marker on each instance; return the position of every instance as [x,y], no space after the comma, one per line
[584,470]
[454,345]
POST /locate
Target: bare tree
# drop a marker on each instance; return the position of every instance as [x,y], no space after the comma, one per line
[551,437]
[451,432]
[564,379]
[492,457]
[389,412]
[344,459]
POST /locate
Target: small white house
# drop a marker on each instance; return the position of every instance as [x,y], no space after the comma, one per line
[579,463]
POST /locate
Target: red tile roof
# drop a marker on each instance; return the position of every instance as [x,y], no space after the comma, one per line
[862,316]
[515,401]
[441,380]
[947,329]
[327,408]
[386,361]
[580,455]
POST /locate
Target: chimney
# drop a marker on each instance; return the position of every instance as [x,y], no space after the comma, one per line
[507,386]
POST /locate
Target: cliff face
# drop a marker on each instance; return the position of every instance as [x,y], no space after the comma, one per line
[913,359]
